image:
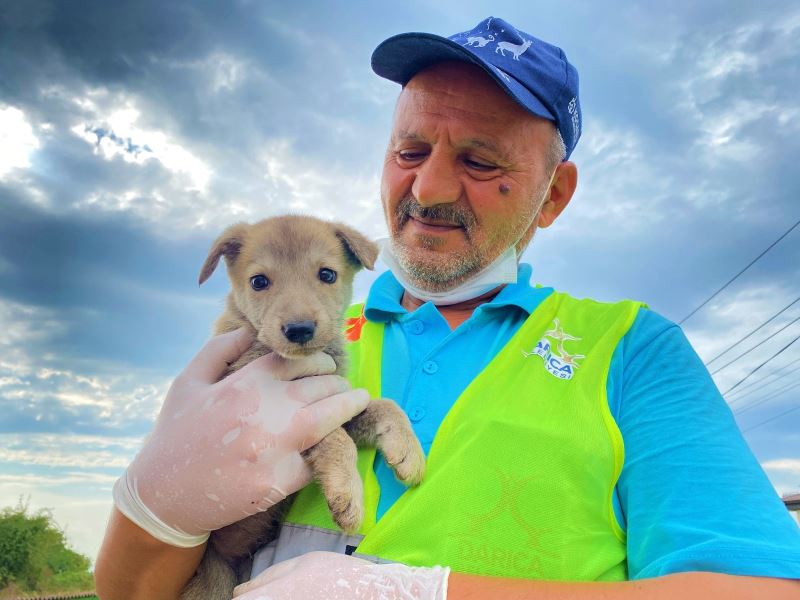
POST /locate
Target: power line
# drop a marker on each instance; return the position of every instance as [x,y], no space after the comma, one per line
[753,391]
[781,311]
[750,385]
[766,339]
[778,416]
[780,392]
[735,277]
[743,379]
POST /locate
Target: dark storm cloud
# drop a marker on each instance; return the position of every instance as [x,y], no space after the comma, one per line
[49,413]
[115,288]
[68,172]
[294,65]
[699,211]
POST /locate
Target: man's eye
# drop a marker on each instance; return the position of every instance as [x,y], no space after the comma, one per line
[479,166]
[259,282]
[411,155]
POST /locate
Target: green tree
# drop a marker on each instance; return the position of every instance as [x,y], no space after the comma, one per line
[34,554]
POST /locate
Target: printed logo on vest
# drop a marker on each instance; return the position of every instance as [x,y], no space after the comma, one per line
[557,361]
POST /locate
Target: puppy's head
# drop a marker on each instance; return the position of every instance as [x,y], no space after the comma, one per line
[292,278]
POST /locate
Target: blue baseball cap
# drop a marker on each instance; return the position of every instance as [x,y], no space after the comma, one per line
[537,75]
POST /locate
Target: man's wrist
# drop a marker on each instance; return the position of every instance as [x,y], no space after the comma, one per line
[133,565]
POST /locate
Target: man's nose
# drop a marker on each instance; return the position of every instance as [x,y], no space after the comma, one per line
[436,181]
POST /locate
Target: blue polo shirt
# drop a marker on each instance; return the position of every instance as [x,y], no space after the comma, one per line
[691,495]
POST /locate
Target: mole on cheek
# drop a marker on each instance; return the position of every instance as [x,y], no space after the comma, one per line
[504,188]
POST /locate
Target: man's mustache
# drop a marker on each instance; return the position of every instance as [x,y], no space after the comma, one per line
[446,214]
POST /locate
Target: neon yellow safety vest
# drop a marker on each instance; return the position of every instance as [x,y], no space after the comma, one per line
[521,472]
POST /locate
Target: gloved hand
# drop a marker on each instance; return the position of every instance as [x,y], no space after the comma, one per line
[221,451]
[332,576]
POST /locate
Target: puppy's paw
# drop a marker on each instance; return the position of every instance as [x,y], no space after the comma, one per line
[347,506]
[289,369]
[333,461]
[385,425]
[404,454]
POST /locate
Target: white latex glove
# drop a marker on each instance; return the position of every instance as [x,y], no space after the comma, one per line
[221,451]
[332,576]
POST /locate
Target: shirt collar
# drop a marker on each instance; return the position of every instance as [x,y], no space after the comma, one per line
[383,300]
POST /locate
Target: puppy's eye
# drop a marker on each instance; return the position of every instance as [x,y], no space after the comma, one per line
[327,275]
[259,282]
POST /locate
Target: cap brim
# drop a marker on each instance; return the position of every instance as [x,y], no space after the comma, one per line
[402,56]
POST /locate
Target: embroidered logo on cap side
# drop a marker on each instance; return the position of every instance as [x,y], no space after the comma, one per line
[572,108]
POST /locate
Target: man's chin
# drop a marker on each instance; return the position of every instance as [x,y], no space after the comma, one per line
[434,276]
[428,248]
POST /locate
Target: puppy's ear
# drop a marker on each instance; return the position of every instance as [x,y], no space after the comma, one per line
[359,248]
[228,244]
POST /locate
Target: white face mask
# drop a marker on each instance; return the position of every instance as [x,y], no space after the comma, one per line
[502,270]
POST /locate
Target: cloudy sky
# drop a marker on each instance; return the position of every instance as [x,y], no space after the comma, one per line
[131,133]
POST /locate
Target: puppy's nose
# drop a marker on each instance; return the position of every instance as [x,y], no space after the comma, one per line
[299,332]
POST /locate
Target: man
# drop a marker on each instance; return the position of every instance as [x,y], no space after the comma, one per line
[575,449]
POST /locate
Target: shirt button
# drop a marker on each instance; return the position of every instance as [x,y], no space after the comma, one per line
[430,367]
[416,327]
[416,414]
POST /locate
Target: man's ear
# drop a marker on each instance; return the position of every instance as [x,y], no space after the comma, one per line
[228,245]
[360,250]
[565,180]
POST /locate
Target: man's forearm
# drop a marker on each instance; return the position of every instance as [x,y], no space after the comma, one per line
[133,565]
[682,586]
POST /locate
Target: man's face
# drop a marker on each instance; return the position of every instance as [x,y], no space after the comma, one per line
[457,141]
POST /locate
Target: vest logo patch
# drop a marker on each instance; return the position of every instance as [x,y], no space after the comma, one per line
[557,361]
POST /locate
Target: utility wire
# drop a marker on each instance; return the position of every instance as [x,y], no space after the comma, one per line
[780,392]
[754,391]
[750,385]
[735,277]
[778,416]
[781,311]
[743,379]
[766,339]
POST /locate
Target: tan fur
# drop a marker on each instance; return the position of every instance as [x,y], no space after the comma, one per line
[290,251]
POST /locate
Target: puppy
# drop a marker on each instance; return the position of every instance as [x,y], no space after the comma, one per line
[291,282]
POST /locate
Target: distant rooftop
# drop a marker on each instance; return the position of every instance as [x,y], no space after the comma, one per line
[792,501]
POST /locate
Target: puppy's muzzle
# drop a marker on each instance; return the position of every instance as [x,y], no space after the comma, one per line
[299,331]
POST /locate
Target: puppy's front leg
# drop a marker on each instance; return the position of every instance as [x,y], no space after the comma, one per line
[289,369]
[333,462]
[385,425]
